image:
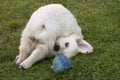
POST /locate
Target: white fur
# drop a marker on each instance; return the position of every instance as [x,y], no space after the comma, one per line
[47,25]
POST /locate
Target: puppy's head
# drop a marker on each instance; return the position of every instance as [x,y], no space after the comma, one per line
[72,45]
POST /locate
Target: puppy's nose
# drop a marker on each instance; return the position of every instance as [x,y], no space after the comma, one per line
[56,47]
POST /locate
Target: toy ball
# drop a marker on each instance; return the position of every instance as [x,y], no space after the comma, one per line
[60,63]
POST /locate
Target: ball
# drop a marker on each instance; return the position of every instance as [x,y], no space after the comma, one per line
[60,63]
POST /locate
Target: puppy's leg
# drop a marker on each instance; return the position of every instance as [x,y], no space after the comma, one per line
[24,50]
[39,53]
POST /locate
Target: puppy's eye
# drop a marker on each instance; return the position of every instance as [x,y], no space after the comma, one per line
[66,44]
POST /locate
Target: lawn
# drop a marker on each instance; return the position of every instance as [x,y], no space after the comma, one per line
[100,23]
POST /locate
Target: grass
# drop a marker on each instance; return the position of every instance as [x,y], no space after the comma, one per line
[100,23]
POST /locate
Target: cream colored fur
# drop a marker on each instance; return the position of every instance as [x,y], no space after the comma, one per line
[48,25]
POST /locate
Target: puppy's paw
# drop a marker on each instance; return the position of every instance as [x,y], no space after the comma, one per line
[16,57]
[18,60]
[21,67]
[24,66]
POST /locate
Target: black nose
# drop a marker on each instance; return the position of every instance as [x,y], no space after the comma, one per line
[56,47]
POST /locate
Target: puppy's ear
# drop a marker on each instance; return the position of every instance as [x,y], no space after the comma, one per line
[84,46]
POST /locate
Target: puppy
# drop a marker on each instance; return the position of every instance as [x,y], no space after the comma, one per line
[51,29]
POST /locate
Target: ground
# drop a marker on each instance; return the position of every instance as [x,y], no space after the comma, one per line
[100,23]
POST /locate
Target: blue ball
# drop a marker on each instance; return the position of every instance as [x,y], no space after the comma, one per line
[60,63]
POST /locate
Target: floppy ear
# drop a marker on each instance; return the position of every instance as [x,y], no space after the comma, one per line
[84,46]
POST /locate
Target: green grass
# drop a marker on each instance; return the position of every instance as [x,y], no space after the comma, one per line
[100,23]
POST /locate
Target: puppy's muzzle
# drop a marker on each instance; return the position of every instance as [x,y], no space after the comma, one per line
[56,47]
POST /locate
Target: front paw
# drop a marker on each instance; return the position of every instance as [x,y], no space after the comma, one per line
[21,67]
[16,57]
[24,65]
[18,60]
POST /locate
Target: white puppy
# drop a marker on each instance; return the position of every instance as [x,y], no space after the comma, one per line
[51,29]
